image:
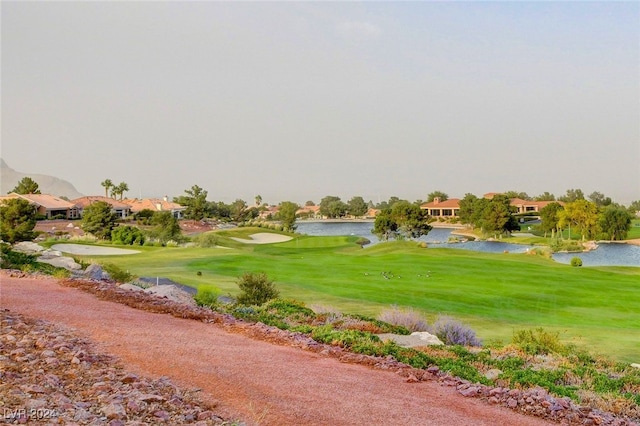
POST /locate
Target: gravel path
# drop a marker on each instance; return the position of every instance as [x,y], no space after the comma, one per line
[253,380]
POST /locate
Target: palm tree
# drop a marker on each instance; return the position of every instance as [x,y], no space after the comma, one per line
[107,186]
[122,188]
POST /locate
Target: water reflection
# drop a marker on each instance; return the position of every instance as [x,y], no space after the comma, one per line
[605,255]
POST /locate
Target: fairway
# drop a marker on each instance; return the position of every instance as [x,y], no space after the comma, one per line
[494,293]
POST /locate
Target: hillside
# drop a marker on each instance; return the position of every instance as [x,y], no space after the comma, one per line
[9,178]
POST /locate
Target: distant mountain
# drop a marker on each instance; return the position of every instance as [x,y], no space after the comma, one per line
[9,178]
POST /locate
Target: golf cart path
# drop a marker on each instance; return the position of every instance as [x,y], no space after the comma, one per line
[252,380]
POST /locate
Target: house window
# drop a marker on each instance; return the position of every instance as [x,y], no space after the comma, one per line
[447,212]
[530,208]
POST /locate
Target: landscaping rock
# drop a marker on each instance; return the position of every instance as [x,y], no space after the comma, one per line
[27,247]
[133,287]
[416,339]
[61,262]
[172,292]
[95,272]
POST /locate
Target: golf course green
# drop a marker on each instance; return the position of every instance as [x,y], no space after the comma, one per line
[597,307]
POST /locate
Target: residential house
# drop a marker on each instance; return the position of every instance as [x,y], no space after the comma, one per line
[526,206]
[118,207]
[447,208]
[310,212]
[48,206]
[156,205]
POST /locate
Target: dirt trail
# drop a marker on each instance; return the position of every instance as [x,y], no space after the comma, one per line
[252,380]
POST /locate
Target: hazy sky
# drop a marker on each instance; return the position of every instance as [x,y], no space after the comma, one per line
[295,101]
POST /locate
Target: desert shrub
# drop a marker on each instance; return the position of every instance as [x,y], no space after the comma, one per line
[345,338]
[116,273]
[171,243]
[362,241]
[207,240]
[452,332]
[206,297]
[256,289]
[552,380]
[381,326]
[410,319]
[127,235]
[538,341]
[576,261]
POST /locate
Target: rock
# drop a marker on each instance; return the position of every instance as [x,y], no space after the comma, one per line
[635,365]
[416,339]
[172,292]
[61,262]
[114,411]
[132,287]
[493,374]
[27,247]
[95,272]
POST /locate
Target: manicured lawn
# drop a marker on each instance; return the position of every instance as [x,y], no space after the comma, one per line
[494,293]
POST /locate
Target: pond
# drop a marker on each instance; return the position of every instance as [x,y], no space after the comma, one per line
[605,255]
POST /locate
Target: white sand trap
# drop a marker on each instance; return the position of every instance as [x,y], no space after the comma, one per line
[263,238]
[82,249]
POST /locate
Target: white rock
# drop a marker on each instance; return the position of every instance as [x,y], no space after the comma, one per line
[172,292]
[635,365]
[133,287]
[27,247]
[62,262]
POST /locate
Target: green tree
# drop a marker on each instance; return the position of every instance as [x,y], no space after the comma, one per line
[309,203]
[165,227]
[615,223]
[26,186]
[471,210]
[107,184]
[516,194]
[287,215]
[17,220]
[332,207]
[195,202]
[634,207]
[256,289]
[384,226]
[404,220]
[122,188]
[258,200]
[357,207]
[599,199]
[98,219]
[238,208]
[497,216]
[572,195]
[437,194]
[549,216]
[583,215]
[546,196]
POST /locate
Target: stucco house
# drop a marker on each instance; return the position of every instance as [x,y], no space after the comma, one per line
[156,205]
[446,208]
[118,207]
[48,206]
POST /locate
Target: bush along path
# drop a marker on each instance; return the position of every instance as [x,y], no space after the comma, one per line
[533,402]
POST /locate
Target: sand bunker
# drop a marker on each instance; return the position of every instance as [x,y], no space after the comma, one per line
[82,249]
[264,238]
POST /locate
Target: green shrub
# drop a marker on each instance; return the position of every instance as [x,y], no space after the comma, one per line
[576,261]
[538,341]
[117,274]
[207,240]
[256,289]
[206,297]
[127,235]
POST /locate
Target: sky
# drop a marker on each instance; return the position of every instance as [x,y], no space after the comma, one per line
[300,100]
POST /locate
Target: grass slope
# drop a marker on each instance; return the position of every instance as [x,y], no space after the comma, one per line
[494,293]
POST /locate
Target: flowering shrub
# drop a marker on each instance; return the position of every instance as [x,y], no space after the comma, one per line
[410,319]
[452,332]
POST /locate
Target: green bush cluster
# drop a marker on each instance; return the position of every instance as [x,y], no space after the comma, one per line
[128,235]
[256,289]
[538,341]
[576,261]
[117,274]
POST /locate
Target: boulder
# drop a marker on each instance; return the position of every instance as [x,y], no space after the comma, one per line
[27,247]
[416,339]
[635,365]
[61,262]
[95,272]
[129,286]
[172,292]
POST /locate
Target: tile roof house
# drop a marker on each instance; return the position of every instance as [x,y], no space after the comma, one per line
[526,206]
[312,212]
[118,207]
[48,205]
[156,205]
[446,208]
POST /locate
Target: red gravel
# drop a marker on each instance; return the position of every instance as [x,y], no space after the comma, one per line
[252,380]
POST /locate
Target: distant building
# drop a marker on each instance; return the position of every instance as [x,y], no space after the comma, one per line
[446,208]
[120,208]
[48,206]
[156,205]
